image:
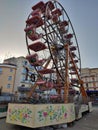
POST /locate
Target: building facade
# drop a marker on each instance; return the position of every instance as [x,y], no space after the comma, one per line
[23,73]
[90,79]
[7,77]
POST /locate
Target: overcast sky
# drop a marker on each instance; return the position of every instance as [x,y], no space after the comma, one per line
[83,15]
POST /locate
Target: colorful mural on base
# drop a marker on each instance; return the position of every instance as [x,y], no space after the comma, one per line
[22,115]
[52,113]
[40,115]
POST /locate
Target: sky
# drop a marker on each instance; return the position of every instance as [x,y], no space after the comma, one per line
[82,13]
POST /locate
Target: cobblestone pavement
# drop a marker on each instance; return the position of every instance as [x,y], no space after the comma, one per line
[88,122]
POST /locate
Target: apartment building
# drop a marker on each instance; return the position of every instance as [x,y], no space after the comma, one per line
[23,73]
[90,78]
[7,77]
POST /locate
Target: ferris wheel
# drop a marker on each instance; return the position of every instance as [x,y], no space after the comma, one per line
[53,49]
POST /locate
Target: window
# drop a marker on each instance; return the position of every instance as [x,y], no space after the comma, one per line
[0,70]
[8,85]
[24,71]
[23,78]
[11,70]
[25,63]
[10,78]
[87,86]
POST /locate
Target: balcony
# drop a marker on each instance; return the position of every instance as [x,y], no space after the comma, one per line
[23,89]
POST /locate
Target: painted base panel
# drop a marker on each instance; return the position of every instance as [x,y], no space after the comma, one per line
[90,106]
[40,115]
[3,110]
[85,108]
[3,114]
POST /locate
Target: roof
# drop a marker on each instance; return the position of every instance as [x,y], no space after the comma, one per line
[8,65]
